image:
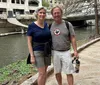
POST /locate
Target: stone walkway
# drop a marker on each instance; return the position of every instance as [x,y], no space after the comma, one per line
[89,74]
[89,69]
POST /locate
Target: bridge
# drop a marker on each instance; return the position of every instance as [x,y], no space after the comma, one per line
[11,19]
[79,12]
[81,17]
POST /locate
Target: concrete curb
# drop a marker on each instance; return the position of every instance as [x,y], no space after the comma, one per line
[10,33]
[33,79]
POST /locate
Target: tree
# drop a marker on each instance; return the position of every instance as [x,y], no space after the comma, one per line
[96,17]
[45,4]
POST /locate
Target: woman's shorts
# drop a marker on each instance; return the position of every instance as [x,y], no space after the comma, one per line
[62,61]
[41,60]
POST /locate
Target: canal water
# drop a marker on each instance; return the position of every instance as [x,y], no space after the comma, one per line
[14,47]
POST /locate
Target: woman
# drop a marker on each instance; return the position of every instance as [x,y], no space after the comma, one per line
[38,33]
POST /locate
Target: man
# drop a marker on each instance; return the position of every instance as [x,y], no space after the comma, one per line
[62,37]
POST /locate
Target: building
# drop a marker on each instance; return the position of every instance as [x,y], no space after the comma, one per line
[18,7]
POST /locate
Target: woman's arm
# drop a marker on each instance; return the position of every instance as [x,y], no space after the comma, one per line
[29,41]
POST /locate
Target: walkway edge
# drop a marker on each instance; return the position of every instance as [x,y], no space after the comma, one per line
[33,79]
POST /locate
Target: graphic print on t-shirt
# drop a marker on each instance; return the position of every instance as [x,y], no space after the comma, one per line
[57,31]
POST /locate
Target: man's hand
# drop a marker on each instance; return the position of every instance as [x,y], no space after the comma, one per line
[76,55]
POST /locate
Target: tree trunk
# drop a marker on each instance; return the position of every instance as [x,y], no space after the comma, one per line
[96,17]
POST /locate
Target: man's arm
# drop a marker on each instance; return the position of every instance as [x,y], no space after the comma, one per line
[74,45]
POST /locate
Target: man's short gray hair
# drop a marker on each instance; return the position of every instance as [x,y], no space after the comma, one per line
[56,7]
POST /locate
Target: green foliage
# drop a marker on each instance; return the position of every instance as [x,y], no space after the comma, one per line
[44,3]
[15,71]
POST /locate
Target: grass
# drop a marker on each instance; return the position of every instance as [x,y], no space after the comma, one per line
[15,71]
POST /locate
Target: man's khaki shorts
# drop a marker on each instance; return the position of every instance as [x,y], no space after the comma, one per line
[62,61]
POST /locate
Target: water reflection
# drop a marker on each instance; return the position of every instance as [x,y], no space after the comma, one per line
[14,47]
[83,34]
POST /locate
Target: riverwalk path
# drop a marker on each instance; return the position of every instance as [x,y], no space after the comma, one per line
[89,73]
[89,69]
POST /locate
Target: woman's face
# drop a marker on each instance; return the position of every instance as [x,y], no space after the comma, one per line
[41,14]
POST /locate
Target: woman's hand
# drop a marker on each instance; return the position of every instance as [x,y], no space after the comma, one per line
[32,59]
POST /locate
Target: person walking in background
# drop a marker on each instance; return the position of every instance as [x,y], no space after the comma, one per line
[62,37]
[38,33]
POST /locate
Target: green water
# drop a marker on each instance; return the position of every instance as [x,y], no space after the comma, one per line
[14,47]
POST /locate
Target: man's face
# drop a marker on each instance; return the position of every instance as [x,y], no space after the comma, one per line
[57,15]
